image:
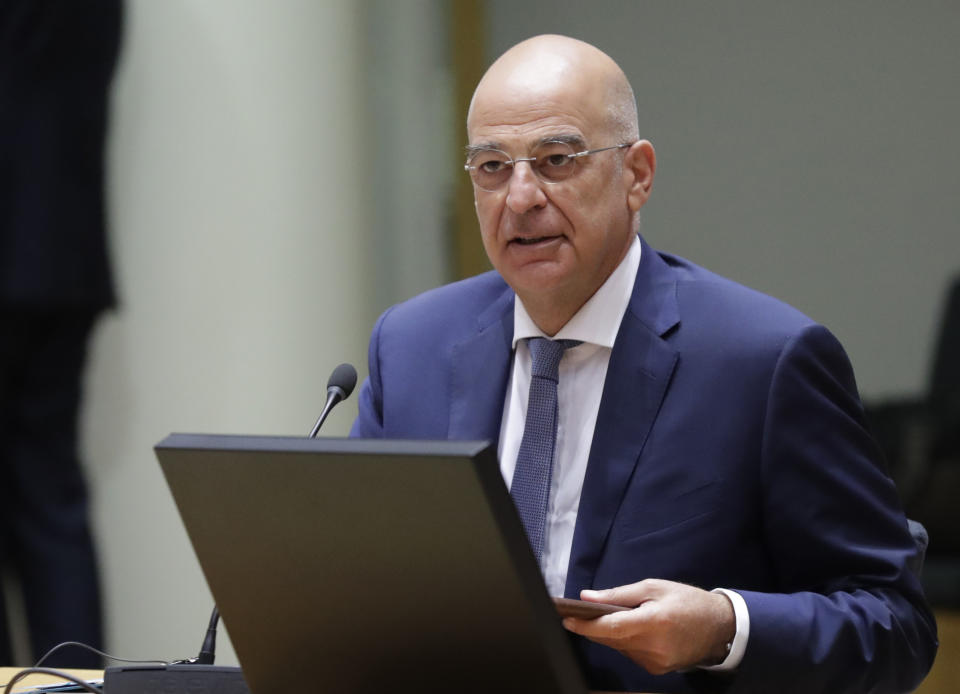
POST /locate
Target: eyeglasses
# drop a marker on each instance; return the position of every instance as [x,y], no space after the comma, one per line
[552,162]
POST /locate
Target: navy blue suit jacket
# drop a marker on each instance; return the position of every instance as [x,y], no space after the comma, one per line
[730,450]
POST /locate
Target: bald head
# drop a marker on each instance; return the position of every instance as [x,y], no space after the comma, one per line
[556,239]
[536,72]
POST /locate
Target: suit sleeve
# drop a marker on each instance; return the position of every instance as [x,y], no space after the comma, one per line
[369,421]
[851,616]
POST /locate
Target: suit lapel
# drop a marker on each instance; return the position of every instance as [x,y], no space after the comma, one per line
[641,365]
[480,369]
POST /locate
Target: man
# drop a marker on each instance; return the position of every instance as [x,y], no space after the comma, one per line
[57,59]
[707,436]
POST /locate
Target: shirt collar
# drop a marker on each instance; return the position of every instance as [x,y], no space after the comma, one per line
[598,320]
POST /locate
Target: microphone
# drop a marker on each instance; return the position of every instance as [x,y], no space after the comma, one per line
[339,386]
[209,646]
[199,674]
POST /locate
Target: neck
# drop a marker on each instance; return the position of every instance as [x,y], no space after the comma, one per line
[552,313]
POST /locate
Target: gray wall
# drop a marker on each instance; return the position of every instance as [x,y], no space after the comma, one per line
[809,150]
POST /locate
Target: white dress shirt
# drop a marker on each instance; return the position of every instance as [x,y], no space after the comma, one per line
[583,371]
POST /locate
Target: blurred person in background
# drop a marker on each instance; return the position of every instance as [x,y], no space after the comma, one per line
[57,58]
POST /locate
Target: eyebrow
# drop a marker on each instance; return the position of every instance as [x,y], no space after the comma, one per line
[574,141]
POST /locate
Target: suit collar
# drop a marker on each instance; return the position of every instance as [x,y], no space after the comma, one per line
[654,299]
[480,369]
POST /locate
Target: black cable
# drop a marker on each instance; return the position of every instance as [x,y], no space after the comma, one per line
[100,653]
[84,685]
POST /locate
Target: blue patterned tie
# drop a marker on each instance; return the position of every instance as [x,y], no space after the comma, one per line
[530,488]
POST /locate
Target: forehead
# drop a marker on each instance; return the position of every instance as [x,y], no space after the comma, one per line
[519,113]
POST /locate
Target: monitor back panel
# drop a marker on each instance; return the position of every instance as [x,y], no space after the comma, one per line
[368,566]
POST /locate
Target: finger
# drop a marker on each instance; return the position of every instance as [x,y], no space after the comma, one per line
[585,627]
[629,595]
[595,595]
[612,627]
[582,627]
[631,648]
[631,638]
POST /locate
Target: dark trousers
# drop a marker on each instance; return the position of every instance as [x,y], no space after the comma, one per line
[45,539]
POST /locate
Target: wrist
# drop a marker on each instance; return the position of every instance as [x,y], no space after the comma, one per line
[725,630]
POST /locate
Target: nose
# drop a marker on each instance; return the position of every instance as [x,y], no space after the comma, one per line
[524,189]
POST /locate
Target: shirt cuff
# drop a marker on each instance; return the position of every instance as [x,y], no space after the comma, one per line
[738,646]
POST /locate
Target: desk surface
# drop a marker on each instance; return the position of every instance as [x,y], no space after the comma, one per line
[33,680]
[6,673]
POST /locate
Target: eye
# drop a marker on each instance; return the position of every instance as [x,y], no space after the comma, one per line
[555,160]
[491,166]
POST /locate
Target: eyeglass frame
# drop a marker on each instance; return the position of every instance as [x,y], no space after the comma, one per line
[513,162]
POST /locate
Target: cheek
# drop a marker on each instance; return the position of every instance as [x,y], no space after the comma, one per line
[488,216]
[595,227]
[580,214]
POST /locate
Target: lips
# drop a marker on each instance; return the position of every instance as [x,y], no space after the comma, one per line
[533,240]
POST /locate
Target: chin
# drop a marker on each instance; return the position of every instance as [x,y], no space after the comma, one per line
[537,280]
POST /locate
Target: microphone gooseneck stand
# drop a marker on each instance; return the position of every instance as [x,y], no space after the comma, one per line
[199,675]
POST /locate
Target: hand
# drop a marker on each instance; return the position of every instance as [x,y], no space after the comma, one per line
[672,626]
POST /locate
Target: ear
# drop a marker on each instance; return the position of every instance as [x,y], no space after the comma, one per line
[639,166]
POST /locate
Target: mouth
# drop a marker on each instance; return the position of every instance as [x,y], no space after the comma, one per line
[534,240]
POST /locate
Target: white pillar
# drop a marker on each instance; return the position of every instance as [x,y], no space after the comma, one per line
[239,189]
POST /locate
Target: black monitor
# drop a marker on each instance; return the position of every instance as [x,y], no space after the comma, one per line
[351,565]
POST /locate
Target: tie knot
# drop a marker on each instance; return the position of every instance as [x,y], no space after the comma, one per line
[545,355]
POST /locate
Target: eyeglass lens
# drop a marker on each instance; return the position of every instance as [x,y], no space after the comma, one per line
[551,162]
